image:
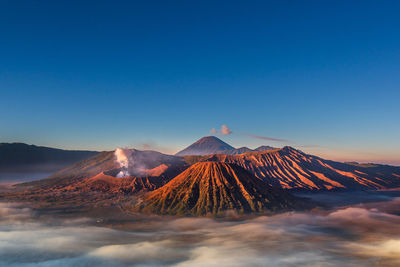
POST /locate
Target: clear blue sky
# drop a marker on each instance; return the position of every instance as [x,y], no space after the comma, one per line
[99,74]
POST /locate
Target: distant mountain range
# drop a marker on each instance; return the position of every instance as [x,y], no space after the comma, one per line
[251,181]
[285,168]
[20,157]
[213,145]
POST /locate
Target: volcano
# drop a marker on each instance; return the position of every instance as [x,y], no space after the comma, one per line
[147,170]
[205,146]
[289,168]
[213,145]
[252,181]
[285,168]
[212,188]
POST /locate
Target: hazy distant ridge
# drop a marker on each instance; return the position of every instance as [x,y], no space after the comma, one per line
[20,157]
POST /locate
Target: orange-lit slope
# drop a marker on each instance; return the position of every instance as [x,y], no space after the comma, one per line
[214,187]
[110,184]
[292,169]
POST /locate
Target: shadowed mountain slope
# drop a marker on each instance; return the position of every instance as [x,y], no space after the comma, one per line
[215,187]
[289,168]
[19,157]
[143,164]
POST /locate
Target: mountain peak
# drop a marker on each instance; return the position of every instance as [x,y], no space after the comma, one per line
[205,146]
[209,138]
[290,149]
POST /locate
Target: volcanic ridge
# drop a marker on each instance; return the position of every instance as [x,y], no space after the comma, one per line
[247,181]
[212,188]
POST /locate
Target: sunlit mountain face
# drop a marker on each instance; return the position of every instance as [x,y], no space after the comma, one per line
[199,133]
[289,168]
[236,207]
[211,188]
[201,185]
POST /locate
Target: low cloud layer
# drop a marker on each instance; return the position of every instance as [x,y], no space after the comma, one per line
[353,236]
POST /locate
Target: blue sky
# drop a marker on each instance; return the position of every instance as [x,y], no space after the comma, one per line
[96,75]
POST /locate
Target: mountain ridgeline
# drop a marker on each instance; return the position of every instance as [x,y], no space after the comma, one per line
[213,145]
[289,168]
[149,169]
[212,188]
[285,168]
[246,181]
[19,157]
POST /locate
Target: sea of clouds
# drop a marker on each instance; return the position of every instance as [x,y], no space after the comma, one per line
[352,236]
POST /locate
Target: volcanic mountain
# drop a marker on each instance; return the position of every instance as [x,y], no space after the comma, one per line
[289,168]
[205,146]
[285,168]
[213,188]
[98,180]
[253,181]
[146,170]
[213,145]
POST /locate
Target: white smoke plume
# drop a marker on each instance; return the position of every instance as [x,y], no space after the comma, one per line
[134,162]
[122,157]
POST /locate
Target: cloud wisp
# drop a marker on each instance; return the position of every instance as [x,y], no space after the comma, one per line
[225,130]
[265,138]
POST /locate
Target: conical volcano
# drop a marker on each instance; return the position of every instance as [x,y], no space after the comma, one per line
[210,188]
[205,146]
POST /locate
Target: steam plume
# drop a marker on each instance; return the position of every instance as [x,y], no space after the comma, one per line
[122,157]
